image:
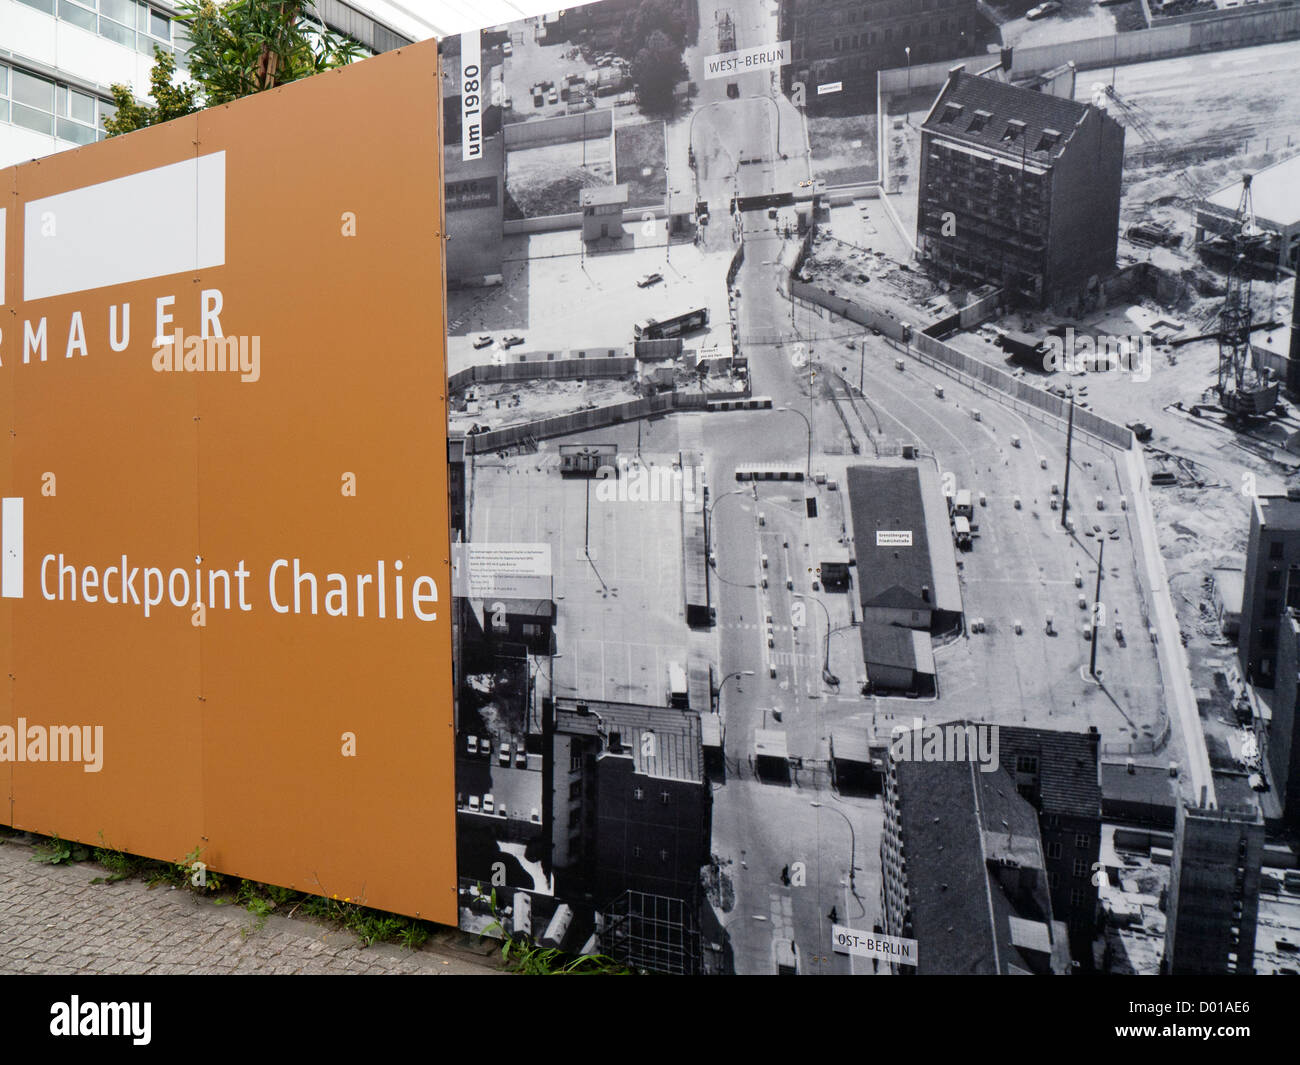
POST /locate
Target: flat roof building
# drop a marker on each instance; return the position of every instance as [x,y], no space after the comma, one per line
[1213,900]
[906,564]
[1144,795]
[1277,211]
[602,211]
[60,59]
[897,658]
[1272,583]
[849,41]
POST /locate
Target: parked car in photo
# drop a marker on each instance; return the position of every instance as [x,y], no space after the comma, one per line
[552,97]
[484,341]
[507,49]
[650,279]
[511,341]
[1043,10]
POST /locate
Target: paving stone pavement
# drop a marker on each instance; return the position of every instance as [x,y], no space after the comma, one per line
[53,920]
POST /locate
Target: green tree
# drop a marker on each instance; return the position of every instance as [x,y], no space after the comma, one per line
[170,100]
[668,16]
[656,70]
[236,49]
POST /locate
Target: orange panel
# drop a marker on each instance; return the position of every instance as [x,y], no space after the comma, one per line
[230,735]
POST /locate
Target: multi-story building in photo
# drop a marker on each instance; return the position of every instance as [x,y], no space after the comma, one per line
[1019,189]
[1281,745]
[1214,891]
[850,40]
[632,805]
[964,873]
[1059,773]
[59,57]
[631,815]
[1272,583]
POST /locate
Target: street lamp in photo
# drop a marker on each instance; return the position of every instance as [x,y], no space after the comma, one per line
[737,674]
[829,677]
[808,470]
[907,48]
[853,843]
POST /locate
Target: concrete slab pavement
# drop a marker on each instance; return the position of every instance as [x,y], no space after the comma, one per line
[54,921]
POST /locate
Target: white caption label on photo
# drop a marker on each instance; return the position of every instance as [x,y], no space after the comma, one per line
[846,940]
[760,57]
[893,537]
[471,97]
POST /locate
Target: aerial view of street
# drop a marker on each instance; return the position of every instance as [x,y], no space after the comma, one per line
[845,397]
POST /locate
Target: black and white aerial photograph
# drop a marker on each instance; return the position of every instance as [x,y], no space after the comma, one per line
[875,471]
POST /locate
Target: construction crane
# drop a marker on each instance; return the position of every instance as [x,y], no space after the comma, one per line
[1147,232]
[1137,119]
[1244,392]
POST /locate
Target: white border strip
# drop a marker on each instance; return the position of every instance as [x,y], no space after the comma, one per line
[11,548]
[168,220]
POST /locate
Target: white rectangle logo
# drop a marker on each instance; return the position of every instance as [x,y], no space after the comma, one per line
[893,537]
[846,940]
[760,57]
[830,86]
[471,97]
[11,548]
[168,220]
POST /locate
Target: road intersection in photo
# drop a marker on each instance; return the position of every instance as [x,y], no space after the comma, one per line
[54,921]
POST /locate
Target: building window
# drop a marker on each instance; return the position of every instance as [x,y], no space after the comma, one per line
[1275,580]
[33,102]
[663,855]
[1077,897]
[1275,549]
[1053,820]
[636,852]
[1081,841]
[575,790]
[1080,867]
[1014,128]
[664,797]
[1052,879]
[1026,763]
[638,794]
[1053,851]
[575,762]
